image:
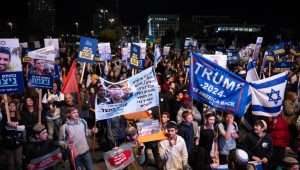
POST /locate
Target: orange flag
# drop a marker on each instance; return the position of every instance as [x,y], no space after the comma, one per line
[70,82]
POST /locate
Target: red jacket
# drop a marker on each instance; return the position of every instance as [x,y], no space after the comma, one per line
[280,133]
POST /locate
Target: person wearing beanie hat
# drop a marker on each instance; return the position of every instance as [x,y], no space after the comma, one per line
[173,150]
[258,144]
[39,146]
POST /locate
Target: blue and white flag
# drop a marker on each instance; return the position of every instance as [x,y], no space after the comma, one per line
[251,71]
[218,87]
[157,55]
[268,94]
[251,68]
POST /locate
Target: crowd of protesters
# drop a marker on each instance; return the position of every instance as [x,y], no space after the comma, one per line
[198,136]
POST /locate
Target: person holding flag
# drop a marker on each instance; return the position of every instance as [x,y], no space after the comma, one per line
[73,136]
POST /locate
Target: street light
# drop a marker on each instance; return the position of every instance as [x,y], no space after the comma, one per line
[104,11]
[76,25]
[10,24]
[157,25]
[111,20]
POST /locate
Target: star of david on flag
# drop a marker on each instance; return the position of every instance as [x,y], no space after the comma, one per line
[274,96]
[267,95]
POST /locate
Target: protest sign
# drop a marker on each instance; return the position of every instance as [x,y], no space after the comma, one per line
[45,161]
[41,68]
[233,56]
[135,57]
[143,47]
[52,42]
[148,127]
[135,94]
[24,44]
[157,55]
[217,87]
[36,44]
[11,77]
[87,49]
[125,53]
[149,130]
[166,50]
[104,51]
[119,158]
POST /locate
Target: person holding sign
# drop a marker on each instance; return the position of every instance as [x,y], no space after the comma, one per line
[173,150]
[138,148]
[37,149]
[13,138]
[73,136]
[29,116]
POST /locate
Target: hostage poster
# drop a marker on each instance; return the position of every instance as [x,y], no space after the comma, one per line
[11,77]
[135,94]
[41,68]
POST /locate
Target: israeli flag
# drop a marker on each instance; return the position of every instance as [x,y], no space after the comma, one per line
[157,55]
[268,94]
[251,68]
[251,71]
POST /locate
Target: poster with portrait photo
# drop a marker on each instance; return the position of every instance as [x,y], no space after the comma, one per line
[135,94]
[41,68]
[11,76]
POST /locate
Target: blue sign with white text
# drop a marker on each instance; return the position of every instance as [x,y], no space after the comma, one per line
[87,50]
[11,82]
[218,87]
[135,60]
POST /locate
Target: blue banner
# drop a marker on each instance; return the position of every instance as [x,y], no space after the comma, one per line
[11,82]
[40,81]
[135,57]
[218,87]
[11,77]
[87,50]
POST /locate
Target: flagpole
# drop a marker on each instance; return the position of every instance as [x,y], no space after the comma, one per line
[82,74]
[6,108]
[270,69]
[40,106]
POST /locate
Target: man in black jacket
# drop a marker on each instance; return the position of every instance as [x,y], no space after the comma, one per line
[40,149]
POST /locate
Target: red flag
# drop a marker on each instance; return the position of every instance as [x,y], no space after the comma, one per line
[70,83]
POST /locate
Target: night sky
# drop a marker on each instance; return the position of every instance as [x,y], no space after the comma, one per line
[136,11]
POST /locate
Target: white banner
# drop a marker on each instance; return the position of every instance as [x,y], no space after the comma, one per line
[138,93]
